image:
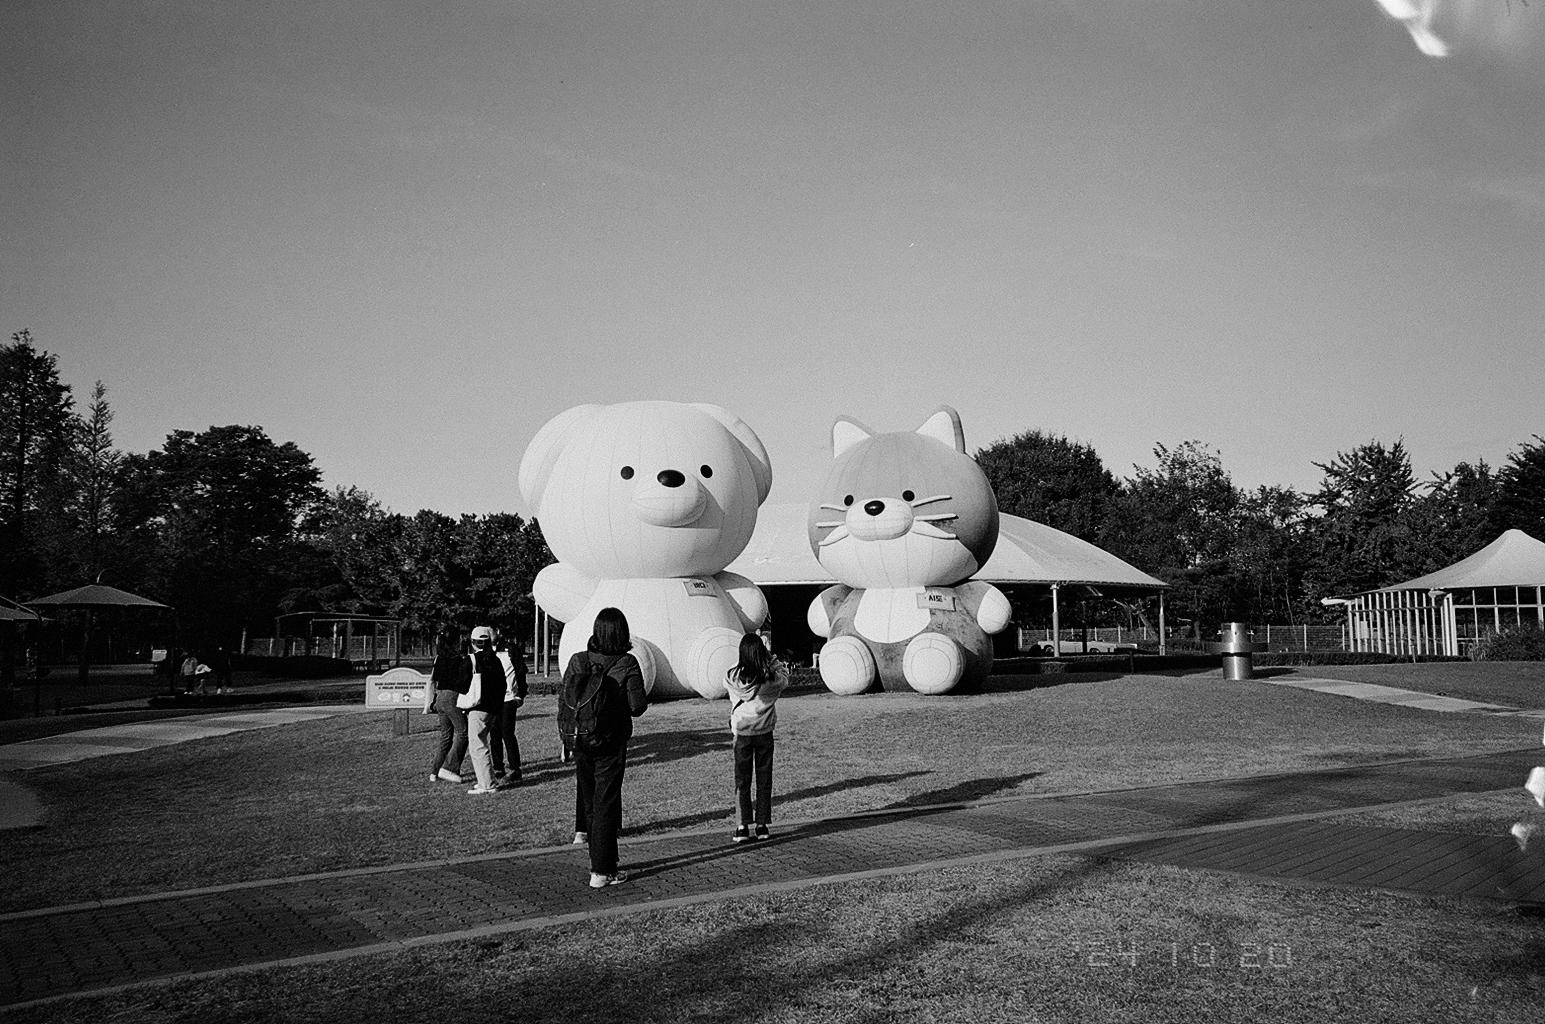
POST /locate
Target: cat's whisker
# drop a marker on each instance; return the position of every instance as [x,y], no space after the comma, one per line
[831,523]
[925,501]
[834,508]
[840,533]
[923,529]
[936,518]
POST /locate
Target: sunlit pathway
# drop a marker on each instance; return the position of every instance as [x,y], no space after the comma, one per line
[133,736]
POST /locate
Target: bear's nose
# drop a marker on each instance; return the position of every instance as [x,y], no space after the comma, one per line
[671,478]
[874,508]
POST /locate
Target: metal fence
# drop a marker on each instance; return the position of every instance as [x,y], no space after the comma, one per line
[1276,637]
[354,649]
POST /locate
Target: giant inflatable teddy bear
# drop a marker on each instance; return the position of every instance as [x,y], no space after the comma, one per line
[645,503]
[903,520]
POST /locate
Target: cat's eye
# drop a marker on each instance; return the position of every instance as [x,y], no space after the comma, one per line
[707,471]
[627,472]
[848,500]
[907,495]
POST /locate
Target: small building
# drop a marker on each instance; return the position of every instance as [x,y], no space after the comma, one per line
[1446,612]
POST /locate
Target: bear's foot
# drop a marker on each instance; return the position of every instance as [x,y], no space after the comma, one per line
[933,663]
[713,653]
[847,666]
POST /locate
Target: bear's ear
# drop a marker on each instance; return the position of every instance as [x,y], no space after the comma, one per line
[846,432]
[543,451]
[944,425]
[761,465]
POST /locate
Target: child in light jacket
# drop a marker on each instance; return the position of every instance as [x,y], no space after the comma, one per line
[754,685]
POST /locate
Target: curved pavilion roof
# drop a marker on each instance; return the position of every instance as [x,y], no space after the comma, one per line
[1514,559]
[1027,552]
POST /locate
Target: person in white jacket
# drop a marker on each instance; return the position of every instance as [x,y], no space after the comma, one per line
[754,685]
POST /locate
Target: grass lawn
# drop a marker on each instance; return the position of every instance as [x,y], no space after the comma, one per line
[344,793]
[1045,939]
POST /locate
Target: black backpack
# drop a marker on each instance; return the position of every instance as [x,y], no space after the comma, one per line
[587,711]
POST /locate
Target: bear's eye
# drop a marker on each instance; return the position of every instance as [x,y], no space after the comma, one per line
[848,500]
[627,472]
[907,495]
[707,471]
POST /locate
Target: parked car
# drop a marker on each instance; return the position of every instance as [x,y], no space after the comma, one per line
[1043,648]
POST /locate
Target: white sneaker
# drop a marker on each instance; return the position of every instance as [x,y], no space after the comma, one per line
[581,839]
[481,791]
[602,881]
[446,775]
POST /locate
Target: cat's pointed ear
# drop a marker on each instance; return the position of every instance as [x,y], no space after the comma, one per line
[944,425]
[847,432]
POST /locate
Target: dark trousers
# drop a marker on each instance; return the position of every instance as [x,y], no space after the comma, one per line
[598,803]
[753,755]
[506,748]
[453,733]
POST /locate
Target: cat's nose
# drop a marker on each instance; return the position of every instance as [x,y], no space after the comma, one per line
[671,478]
[874,508]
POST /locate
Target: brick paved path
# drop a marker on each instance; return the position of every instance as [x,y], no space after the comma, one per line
[1264,826]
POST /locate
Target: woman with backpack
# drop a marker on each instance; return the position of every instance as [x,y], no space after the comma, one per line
[602,692]
[754,685]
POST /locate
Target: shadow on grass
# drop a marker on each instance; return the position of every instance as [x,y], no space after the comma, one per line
[810,792]
[964,792]
[697,980]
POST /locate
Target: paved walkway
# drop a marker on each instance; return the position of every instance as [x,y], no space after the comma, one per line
[132,736]
[1270,827]
[1393,695]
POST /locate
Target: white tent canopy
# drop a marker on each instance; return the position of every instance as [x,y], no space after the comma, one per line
[1027,552]
[1514,559]
[1444,612]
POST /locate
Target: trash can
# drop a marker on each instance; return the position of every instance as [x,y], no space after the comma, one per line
[1237,647]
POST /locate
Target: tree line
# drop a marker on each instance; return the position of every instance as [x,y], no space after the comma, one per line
[231,528]
[1269,554]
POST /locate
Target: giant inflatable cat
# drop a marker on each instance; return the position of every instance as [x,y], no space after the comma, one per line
[645,503]
[903,520]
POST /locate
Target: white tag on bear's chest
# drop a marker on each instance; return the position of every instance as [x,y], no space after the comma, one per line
[887,616]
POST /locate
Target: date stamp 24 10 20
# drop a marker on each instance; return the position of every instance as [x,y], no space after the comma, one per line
[1130,952]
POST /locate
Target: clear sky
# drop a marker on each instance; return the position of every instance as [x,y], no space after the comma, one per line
[404,235]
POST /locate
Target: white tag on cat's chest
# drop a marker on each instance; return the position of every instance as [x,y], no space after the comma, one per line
[935,601]
[697,588]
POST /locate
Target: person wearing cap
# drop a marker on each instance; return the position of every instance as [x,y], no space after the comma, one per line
[483,701]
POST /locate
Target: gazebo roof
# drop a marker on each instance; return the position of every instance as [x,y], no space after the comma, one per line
[1027,552]
[1514,559]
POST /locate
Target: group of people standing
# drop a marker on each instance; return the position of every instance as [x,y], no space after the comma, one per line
[483,689]
[477,694]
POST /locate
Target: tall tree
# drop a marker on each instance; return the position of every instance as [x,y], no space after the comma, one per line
[1451,518]
[226,508]
[37,423]
[1051,480]
[93,470]
[1520,501]
[1361,538]
[1179,522]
